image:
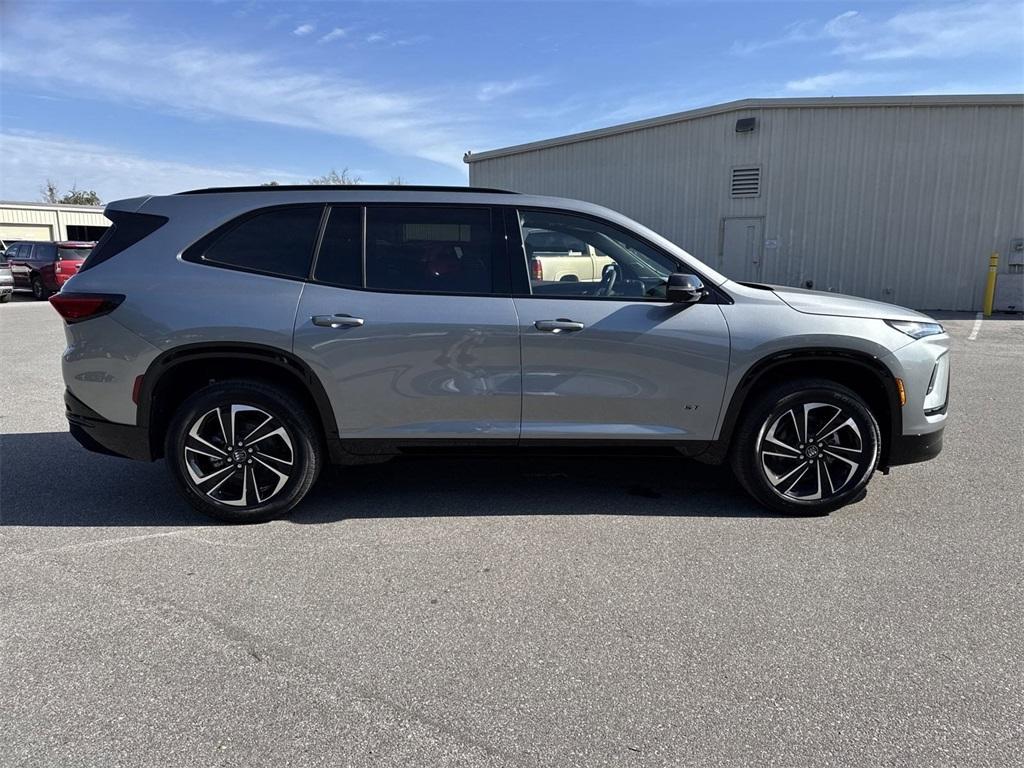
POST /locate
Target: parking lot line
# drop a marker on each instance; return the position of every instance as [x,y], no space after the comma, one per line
[977,327]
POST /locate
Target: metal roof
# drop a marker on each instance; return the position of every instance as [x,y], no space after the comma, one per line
[1007,99]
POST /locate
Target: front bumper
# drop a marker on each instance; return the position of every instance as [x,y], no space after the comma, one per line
[911,449]
[95,433]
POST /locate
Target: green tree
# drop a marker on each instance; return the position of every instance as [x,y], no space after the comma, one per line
[81,197]
[338,179]
[51,193]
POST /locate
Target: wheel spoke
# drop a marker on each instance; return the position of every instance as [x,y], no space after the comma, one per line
[281,477]
[199,479]
[828,477]
[848,423]
[798,477]
[796,424]
[262,455]
[828,423]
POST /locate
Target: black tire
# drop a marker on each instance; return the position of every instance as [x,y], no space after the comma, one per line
[764,467]
[5,298]
[203,455]
[38,289]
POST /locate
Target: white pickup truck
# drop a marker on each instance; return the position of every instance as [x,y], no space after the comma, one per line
[556,256]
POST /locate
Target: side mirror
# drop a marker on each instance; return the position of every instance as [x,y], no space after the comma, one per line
[683,288]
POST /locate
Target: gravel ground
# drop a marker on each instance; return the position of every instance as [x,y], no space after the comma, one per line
[519,612]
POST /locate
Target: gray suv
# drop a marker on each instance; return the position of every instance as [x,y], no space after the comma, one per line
[250,335]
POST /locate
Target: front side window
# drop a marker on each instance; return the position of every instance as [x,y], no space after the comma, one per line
[279,242]
[429,249]
[575,256]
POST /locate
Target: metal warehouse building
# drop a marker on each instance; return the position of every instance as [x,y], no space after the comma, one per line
[51,221]
[896,198]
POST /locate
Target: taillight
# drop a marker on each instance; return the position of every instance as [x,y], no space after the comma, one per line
[76,307]
[536,269]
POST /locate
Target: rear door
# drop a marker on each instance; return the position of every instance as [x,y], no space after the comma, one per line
[410,325]
[612,360]
[19,256]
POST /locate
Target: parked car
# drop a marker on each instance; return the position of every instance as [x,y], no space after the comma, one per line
[558,257]
[6,279]
[45,267]
[251,335]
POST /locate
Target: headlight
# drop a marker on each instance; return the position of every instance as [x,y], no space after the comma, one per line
[916,330]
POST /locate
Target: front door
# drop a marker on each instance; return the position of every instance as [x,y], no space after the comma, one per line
[422,344]
[611,359]
[742,243]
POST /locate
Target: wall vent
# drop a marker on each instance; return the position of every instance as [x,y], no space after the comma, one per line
[746,182]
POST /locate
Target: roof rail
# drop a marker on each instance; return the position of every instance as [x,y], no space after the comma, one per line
[345,187]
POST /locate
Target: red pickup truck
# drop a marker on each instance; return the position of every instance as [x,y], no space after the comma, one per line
[45,267]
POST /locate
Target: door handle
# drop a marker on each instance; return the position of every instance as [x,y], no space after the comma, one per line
[557,326]
[337,321]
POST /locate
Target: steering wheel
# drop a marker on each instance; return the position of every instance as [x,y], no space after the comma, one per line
[609,274]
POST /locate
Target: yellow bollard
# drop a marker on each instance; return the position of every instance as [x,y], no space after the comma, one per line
[990,286]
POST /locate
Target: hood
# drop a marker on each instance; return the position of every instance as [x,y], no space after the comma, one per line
[824,303]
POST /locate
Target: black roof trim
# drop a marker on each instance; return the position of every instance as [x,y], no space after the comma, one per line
[344,187]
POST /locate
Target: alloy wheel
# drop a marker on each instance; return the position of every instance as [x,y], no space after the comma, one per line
[239,455]
[812,451]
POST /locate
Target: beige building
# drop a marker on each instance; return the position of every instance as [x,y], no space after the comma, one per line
[898,198]
[51,221]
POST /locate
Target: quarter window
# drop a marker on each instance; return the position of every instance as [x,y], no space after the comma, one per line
[574,256]
[340,259]
[429,249]
[279,242]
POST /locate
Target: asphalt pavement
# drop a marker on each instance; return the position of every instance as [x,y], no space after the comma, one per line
[512,612]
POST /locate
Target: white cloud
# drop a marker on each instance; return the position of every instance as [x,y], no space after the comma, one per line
[941,31]
[303,29]
[26,160]
[375,37]
[335,34]
[208,82]
[496,89]
[831,82]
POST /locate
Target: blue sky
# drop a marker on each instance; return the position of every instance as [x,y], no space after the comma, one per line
[131,98]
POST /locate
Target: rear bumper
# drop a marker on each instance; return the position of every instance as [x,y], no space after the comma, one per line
[911,449]
[95,433]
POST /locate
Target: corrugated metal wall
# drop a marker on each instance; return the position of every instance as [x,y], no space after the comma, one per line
[45,222]
[899,203]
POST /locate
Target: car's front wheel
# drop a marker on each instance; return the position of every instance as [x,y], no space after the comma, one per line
[806,447]
[243,451]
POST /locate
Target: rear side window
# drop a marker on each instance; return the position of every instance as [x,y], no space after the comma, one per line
[126,230]
[73,254]
[429,249]
[340,259]
[277,242]
[45,252]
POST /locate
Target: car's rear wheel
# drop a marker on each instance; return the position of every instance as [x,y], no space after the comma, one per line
[38,289]
[4,298]
[243,451]
[807,447]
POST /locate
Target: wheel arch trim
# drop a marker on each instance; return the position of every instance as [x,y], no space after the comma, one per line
[281,359]
[756,372]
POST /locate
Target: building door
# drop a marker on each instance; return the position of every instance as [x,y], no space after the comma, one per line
[742,244]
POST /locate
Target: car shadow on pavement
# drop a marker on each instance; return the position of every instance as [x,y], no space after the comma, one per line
[47,479]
